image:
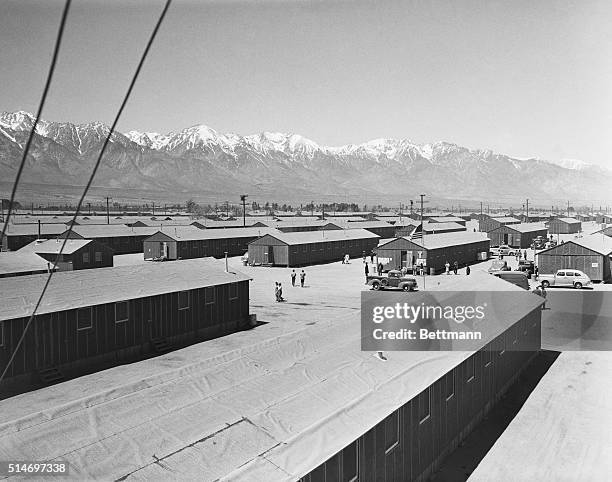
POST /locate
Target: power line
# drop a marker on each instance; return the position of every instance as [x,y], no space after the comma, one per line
[58,43]
[88,185]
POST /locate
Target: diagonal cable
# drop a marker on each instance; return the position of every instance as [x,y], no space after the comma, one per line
[88,185]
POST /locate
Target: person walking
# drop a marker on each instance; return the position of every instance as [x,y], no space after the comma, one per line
[536,271]
[302,278]
[447,266]
[467,270]
[372,258]
[293,277]
[525,254]
[380,269]
[280,293]
[367,272]
[276,291]
[455,267]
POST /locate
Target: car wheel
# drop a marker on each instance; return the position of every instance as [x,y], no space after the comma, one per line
[546,284]
[407,288]
[578,285]
[376,285]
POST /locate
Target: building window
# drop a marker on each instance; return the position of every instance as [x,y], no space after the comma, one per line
[470,373]
[183,300]
[84,319]
[233,291]
[449,384]
[350,463]
[98,257]
[391,432]
[424,406]
[122,310]
[85,258]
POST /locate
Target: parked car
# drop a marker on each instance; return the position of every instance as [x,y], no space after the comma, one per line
[499,265]
[565,277]
[504,250]
[550,244]
[515,277]
[539,242]
[394,279]
[526,267]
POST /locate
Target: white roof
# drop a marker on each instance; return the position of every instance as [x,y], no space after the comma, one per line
[567,220]
[600,243]
[563,430]
[53,246]
[111,231]
[258,405]
[20,262]
[527,227]
[89,287]
[32,229]
[309,237]
[192,233]
[442,240]
[442,226]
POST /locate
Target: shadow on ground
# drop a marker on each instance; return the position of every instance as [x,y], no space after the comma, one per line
[464,460]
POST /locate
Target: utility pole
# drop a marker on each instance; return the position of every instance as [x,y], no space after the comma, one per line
[243,199]
[527,211]
[153,208]
[422,227]
[89,208]
[568,212]
[107,210]
[480,209]
[227,209]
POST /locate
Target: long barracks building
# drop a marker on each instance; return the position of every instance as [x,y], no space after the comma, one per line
[96,318]
[297,402]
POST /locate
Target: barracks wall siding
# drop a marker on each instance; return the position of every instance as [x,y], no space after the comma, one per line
[411,442]
[308,253]
[514,239]
[200,248]
[55,340]
[556,226]
[572,256]
[402,250]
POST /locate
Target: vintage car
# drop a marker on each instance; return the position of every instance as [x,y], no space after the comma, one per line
[393,279]
[498,265]
[565,277]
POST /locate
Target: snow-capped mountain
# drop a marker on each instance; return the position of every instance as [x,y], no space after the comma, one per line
[285,166]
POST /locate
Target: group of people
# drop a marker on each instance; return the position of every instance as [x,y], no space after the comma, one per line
[455,267]
[278,287]
[520,255]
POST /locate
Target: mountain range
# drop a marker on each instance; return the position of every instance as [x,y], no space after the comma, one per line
[285,166]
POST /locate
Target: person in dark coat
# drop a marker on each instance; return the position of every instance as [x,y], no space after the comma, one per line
[380,269]
[372,257]
[293,277]
[467,271]
[367,272]
[302,278]
[455,267]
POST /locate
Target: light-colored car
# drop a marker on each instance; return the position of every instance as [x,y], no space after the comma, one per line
[565,277]
[504,249]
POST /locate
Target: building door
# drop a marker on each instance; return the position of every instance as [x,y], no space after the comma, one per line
[271,254]
[404,258]
[505,238]
[163,249]
[153,312]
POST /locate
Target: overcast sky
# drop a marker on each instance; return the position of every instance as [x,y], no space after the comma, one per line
[525,78]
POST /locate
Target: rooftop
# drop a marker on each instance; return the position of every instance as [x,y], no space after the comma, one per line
[309,237]
[111,231]
[20,262]
[53,246]
[527,227]
[599,243]
[264,404]
[568,220]
[75,289]
[191,233]
[443,240]
[562,432]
